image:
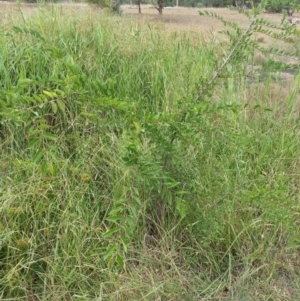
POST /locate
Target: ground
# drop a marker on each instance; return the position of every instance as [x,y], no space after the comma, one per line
[174,18]
[189,18]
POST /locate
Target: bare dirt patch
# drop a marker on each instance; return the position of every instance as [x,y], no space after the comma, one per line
[189,18]
[182,18]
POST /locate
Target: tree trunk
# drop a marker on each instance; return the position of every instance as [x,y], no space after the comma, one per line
[139,5]
[160,6]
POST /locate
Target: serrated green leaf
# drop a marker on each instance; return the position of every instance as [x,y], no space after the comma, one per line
[54,107]
[33,142]
[39,98]
[109,251]
[17,29]
[50,136]
[59,92]
[181,207]
[137,199]
[128,232]
[114,218]
[61,106]
[111,232]
[25,82]
[52,168]
[50,94]
[124,245]
[38,156]
[44,167]
[137,126]
[37,34]
[120,261]
[53,155]
[56,51]
[115,211]
[111,261]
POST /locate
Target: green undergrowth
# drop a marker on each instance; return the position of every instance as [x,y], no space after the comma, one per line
[115,184]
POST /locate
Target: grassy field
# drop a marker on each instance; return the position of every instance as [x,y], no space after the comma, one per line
[120,179]
[182,18]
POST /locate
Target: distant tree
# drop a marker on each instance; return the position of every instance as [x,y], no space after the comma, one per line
[241,5]
[159,5]
[289,11]
[138,3]
[277,6]
[114,6]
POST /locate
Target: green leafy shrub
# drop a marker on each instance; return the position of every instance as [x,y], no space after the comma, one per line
[130,151]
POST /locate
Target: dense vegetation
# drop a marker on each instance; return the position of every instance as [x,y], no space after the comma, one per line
[126,175]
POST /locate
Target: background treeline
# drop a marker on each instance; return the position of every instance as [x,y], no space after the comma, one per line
[275,6]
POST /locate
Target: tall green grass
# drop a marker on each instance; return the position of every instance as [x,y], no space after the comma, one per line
[99,199]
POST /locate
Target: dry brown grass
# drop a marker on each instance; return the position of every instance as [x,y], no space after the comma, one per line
[173,19]
[188,18]
[180,18]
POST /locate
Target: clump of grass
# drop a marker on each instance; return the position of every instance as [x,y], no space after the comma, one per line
[90,210]
[260,59]
[261,39]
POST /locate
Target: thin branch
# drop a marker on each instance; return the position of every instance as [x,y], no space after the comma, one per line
[209,84]
[227,60]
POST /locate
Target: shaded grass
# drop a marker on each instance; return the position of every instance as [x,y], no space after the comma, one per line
[89,104]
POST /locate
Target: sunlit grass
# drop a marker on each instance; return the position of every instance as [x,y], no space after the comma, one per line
[90,207]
